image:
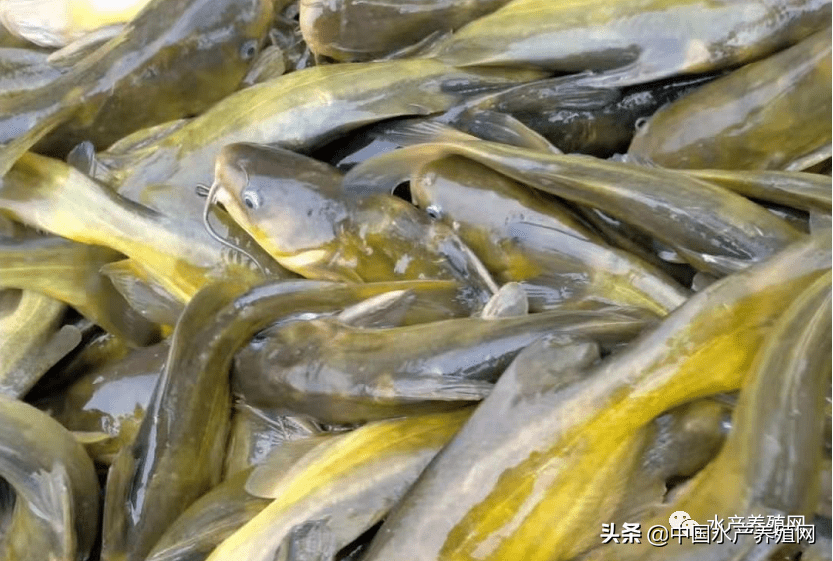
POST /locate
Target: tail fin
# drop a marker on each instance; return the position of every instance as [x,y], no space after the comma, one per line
[409,132]
[503,128]
[50,195]
[142,293]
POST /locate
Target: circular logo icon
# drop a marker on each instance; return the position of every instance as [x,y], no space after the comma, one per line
[676,520]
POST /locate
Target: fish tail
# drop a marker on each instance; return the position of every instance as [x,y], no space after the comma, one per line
[410,132]
[54,500]
[50,195]
[501,127]
[143,294]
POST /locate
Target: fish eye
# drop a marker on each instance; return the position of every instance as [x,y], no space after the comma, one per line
[251,199]
[434,212]
[249,49]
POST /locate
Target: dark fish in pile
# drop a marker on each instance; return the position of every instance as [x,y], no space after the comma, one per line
[340,29]
[174,59]
[295,208]
[521,236]
[713,229]
[633,41]
[748,119]
[496,348]
[341,374]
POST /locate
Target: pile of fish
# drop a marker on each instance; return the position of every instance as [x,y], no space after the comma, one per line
[343,280]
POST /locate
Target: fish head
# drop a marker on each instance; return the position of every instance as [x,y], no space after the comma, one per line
[279,352]
[431,193]
[476,203]
[212,23]
[459,192]
[278,197]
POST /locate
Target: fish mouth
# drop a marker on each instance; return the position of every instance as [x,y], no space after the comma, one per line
[228,200]
[217,194]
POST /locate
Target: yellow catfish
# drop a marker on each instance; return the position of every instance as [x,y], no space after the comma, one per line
[165,252]
[771,114]
[547,498]
[633,41]
[712,228]
[769,466]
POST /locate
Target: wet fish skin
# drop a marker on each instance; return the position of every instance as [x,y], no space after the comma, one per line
[713,229]
[66,57]
[298,111]
[804,191]
[343,486]
[29,327]
[97,348]
[520,236]
[184,430]
[732,122]
[583,119]
[384,137]
[683,441]
[27,135]
[213,45]
[56,516]
[529,389]
[188,419]
[613,401]
[69,271]
[255,432]
[690,435]
[359,145]
[627,237]
[634,41]
[208,521]
[499,127]
[24,69]
[340,29]
[111,399]
[770,461]
[295,209]
[340,374]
